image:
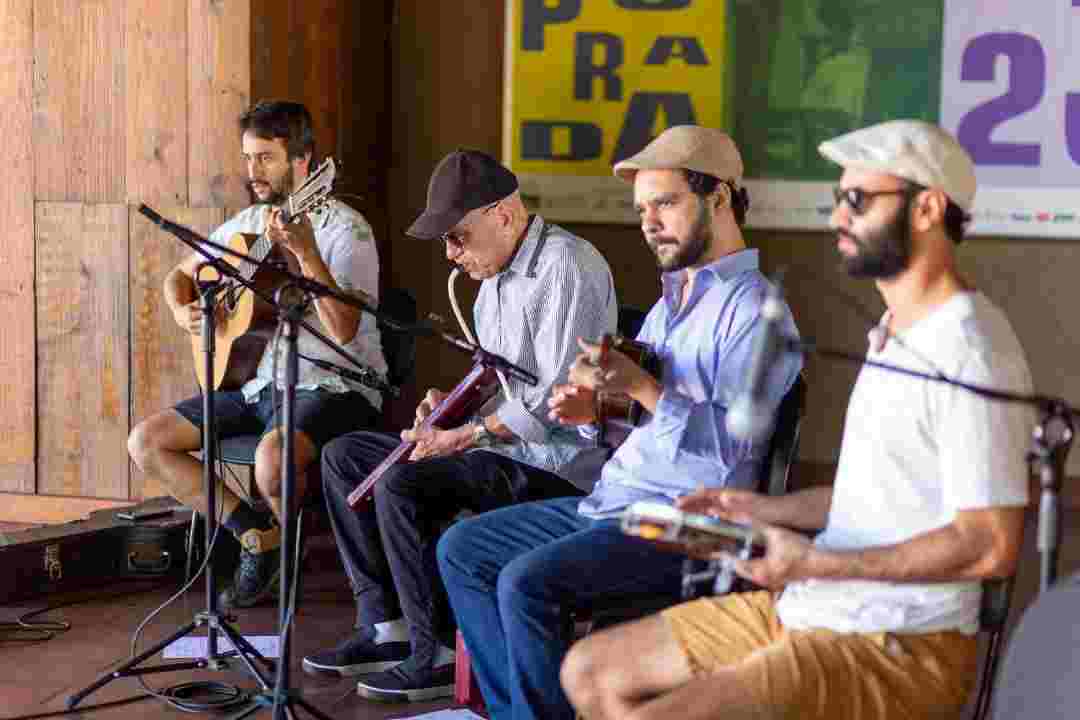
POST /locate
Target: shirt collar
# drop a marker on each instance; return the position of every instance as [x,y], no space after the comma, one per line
[524,260]
[718,270]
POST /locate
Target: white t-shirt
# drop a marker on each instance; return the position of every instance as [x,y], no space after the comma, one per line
[347,246]
[914,453]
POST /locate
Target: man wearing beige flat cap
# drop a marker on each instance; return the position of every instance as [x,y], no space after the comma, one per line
[877,616]
[514,573]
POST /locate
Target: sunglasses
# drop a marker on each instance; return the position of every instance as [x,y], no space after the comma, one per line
[457,238]
[859,200]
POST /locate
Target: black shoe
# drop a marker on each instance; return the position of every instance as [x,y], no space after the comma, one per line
[358,655]
[256,578]
[408,682]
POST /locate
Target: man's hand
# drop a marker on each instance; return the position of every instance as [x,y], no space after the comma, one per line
[430,402]
[619,374]
[189,317]
[786,558]
[572,405]
[297,237]
[431,443]
[738,506]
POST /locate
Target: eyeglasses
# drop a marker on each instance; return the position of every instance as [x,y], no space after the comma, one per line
[858,199]
[457,238]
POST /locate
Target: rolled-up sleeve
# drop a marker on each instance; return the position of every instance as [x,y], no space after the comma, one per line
[685,425]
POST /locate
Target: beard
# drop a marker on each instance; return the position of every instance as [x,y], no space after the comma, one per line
[279,190]
[883,253]
[690,253]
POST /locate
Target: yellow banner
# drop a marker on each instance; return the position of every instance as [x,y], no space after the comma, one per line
[589,82]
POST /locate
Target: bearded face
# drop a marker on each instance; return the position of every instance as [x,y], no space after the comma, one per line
[678,253]
[882,252]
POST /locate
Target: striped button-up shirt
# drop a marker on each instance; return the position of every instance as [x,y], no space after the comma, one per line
[705,350]
[556,288]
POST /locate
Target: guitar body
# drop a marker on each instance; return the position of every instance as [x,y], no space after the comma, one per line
[246,322]
[617,413]
[464,401]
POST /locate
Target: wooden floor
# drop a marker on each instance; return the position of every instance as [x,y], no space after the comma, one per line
[36,678]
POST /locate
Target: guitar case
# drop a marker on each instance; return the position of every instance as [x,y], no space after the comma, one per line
[95,551]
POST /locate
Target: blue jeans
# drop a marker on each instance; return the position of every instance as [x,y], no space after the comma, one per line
[511,574]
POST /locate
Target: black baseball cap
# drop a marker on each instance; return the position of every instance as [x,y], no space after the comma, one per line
[462,181]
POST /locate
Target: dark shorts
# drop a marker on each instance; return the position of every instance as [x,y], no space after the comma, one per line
[319,414]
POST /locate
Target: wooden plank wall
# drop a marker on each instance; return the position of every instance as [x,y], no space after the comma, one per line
[17,358]
[112,103]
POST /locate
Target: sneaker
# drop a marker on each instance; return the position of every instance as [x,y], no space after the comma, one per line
[408,682]
[359,655]
[256,577]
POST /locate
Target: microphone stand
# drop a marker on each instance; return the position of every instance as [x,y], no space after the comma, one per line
[317,289]
[212,617]
[281,699]
[1051,441]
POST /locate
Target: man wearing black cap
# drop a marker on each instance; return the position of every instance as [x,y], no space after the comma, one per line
[512,574]
[542,288]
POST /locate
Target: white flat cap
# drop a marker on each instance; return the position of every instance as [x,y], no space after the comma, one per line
[910,149]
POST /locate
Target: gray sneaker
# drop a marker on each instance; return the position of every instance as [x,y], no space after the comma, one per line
[410,681]
[256,578]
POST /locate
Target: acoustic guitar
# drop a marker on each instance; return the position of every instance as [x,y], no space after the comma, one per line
[247,322]
[617,414]
[464,401]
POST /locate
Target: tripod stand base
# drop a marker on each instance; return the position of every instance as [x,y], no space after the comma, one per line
[244,651]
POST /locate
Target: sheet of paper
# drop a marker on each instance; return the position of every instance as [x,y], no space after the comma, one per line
[193,647]
[455,714]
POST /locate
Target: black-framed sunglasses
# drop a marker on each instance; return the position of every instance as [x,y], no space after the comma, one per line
[859,200]
[458,238]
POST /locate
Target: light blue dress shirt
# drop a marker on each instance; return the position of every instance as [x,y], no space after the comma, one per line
[705,351]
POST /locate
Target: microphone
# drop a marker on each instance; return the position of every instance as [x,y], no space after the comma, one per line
[366,377]
[748,417]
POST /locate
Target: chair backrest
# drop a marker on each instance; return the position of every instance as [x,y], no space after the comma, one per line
[630,321]
[784,445]
[399,348]
[993,614]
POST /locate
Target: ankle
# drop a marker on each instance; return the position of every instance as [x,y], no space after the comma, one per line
[257,541]
[444,656]
[391,631]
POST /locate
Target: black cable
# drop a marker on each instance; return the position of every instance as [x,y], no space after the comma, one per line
[867,316]
[180,696]
[218,696]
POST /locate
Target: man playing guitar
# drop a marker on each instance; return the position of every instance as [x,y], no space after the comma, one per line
[336,249]
[542,287]
[512,574]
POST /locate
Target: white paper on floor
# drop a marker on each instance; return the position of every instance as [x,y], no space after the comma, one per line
[194,647]
[456,714]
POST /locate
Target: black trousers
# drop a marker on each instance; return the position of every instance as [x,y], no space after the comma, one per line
[388,546]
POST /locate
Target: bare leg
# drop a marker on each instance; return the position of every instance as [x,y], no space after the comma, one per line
[161,446]
[639,672]
[610,673]
[268,467]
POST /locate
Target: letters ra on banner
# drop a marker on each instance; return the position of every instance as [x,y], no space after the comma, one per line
[589,82]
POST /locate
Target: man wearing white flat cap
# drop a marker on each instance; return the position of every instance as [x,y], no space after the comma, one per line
[877,616]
